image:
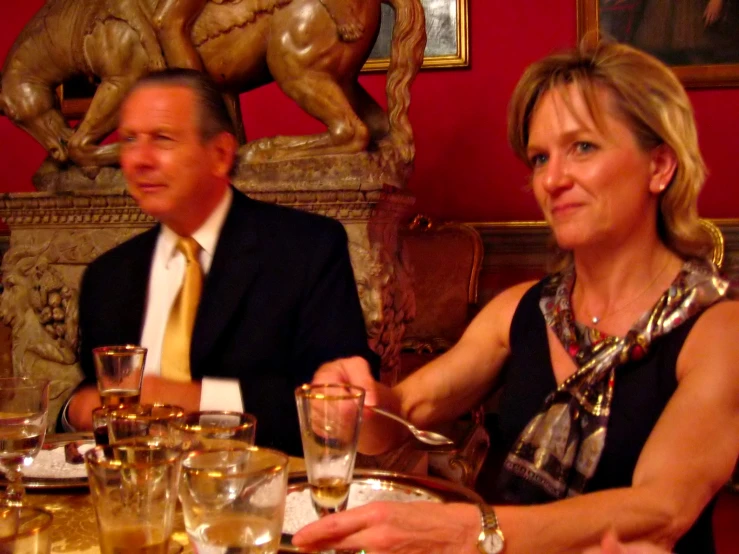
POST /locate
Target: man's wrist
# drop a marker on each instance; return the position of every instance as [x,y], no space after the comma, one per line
[67,427]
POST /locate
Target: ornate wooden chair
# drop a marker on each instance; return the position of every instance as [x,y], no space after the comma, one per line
[717,238]
[444,260]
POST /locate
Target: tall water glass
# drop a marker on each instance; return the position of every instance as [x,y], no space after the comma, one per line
[215,430]
[24,404]
[330,418]
[233,500]
[134,491]
[119,371]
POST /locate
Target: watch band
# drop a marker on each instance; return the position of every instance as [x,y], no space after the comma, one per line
[491,539]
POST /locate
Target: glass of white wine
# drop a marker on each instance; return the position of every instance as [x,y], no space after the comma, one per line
[330,418]
[24,405]
[233,500]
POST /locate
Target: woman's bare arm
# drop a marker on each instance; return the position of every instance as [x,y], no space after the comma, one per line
[459,379]
[689,455]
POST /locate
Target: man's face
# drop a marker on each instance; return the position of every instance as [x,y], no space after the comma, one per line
[172,174]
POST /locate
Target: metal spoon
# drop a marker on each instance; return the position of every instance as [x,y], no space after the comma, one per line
[427,437]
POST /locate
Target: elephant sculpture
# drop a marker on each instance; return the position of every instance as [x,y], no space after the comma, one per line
[243,44]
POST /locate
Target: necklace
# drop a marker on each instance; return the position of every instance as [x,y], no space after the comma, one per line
[596,319]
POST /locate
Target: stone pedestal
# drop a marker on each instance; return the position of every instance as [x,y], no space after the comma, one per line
[54,236]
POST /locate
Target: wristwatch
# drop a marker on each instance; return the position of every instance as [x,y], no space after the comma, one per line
[491,539]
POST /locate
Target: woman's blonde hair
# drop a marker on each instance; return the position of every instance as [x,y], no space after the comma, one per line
[654,105]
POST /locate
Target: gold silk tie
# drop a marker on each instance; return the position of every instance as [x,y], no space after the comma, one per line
[178,335]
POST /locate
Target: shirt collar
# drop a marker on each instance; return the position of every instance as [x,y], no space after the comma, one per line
[206,235]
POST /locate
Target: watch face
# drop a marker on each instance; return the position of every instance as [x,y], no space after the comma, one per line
[493,543]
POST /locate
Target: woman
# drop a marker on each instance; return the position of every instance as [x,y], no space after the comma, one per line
[621,370]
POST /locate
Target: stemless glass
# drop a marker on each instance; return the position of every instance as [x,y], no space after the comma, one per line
[215,430]
[330,417]
[119,371]
[134,491]
[233,500]
[24,404]
[152,421]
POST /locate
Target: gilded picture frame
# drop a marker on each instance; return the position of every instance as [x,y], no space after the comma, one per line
[447,29]
[698,39]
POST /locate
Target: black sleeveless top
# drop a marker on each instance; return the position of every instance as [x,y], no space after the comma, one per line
[640,395]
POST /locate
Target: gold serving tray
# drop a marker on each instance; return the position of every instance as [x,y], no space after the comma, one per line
[413,487]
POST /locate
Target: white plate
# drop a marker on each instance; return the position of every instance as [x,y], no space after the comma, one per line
[50,469]
[299,510]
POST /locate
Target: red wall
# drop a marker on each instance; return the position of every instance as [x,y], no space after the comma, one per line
[464,168]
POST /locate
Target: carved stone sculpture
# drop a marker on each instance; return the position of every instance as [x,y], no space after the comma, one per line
[42,313]
[243,44]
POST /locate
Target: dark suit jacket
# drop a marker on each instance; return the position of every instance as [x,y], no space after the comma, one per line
[279,300]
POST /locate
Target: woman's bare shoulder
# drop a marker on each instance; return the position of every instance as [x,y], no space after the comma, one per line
[511,297]
[713,340]
[498,313]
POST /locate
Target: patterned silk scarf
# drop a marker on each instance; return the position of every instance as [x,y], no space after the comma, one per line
[559,450]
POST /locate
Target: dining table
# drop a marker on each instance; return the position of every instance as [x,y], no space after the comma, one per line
[74,527]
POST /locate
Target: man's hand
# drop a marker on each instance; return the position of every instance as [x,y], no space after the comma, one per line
[165,391]
[81,405]
[712,11]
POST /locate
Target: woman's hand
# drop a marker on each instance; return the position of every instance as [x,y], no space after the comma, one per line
[376,436]
[611,545]
[389,527]
[349,371]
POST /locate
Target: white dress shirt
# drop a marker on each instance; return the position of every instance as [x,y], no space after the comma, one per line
[165,280]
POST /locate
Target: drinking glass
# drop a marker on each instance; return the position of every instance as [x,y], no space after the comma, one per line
[25,530]
[100,425]
[330,417]
[24,404]
[233,500]
[152,421]
[134,492]
[119,371]
[215,430]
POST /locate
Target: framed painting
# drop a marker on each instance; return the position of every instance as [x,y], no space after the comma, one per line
[699,39]
[447,42]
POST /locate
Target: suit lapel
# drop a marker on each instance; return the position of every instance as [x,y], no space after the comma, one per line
[135,287]
[235,265]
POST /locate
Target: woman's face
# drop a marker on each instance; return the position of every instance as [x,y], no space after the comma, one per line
[595,187]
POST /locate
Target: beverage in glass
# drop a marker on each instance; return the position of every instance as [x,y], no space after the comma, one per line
[144,420]
[134,492]
[24,405]
[233,500]
[119,371]
[330,418]
[215,430]
[100,425]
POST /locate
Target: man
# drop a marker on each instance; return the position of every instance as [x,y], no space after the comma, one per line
[278,296]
